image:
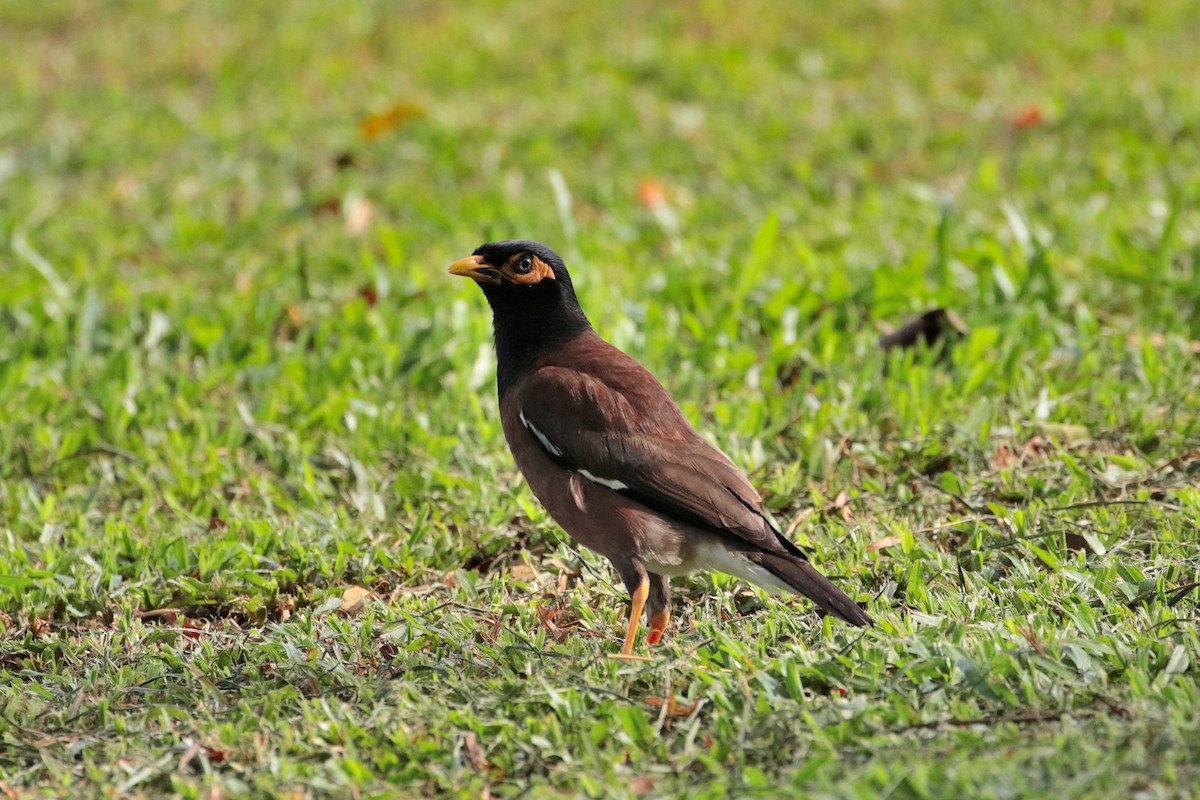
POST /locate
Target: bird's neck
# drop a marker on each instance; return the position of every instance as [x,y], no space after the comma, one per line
[523,340]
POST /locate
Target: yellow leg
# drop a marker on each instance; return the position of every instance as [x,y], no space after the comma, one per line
[635,614]
[658,625]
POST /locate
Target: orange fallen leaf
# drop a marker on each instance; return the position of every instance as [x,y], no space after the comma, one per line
[674,708]
[377,124]
[1027,117]
[880,544]
[651,193]
[842,503]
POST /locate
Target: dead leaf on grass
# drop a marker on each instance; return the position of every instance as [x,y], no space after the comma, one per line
[522,572]
[394,117]
[881,544]
[474,752]
[354,599]
[1028,117]
[674,707]
[642,785]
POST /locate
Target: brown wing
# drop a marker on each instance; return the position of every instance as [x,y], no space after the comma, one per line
[623,431]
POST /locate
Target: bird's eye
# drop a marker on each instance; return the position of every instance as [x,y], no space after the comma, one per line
[523,265]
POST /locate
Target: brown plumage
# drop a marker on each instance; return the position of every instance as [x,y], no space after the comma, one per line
[608,453]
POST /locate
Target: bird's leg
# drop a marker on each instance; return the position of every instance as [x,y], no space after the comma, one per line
[638,596]
[659,607]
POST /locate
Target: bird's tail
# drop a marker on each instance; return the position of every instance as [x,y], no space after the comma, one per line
[804,578]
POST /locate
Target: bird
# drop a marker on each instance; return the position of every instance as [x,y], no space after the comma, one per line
[608,453]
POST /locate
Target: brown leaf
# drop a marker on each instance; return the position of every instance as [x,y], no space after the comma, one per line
[187,756]
[881,544]
[674,707]
[642,785]
[354,598]
[474,752]
[377,124]
[288,326]
[215,755]
[215,523]
[841,503]
[522,572]
[330,205]
[1028,117]
[192,629]
[168,615]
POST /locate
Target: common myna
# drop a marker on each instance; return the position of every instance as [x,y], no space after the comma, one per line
[611,457]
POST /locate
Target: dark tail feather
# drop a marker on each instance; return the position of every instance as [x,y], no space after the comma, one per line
[804,578]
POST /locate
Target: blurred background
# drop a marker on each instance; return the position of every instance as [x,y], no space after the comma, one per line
[240,396]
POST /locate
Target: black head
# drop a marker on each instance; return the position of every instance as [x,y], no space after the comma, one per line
[533,301]
[521,279]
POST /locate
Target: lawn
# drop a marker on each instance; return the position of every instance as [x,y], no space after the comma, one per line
[260,533]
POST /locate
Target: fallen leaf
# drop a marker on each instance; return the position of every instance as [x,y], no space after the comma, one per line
[522,572]
[642,785]
[187,756]
[475,755]
[354,598]
[169,616]
[330,205]
[214,755]
[651,193]
[377,124]
[842,503]
[1003,457]
[288,326]
[359,212]
[1027,117]
[674,707]
[885,542]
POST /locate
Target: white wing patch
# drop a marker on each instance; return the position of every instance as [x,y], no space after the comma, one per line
[602,481]
[541,437]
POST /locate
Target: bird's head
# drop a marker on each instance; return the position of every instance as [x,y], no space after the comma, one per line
[520,279]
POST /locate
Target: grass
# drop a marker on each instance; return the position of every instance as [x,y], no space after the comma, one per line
[237,383]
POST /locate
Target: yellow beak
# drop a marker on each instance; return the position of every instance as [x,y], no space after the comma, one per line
[475,267]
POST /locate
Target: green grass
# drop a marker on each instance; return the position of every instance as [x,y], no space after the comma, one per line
[236,381]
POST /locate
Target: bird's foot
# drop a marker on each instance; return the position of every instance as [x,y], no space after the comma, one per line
[658,626]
